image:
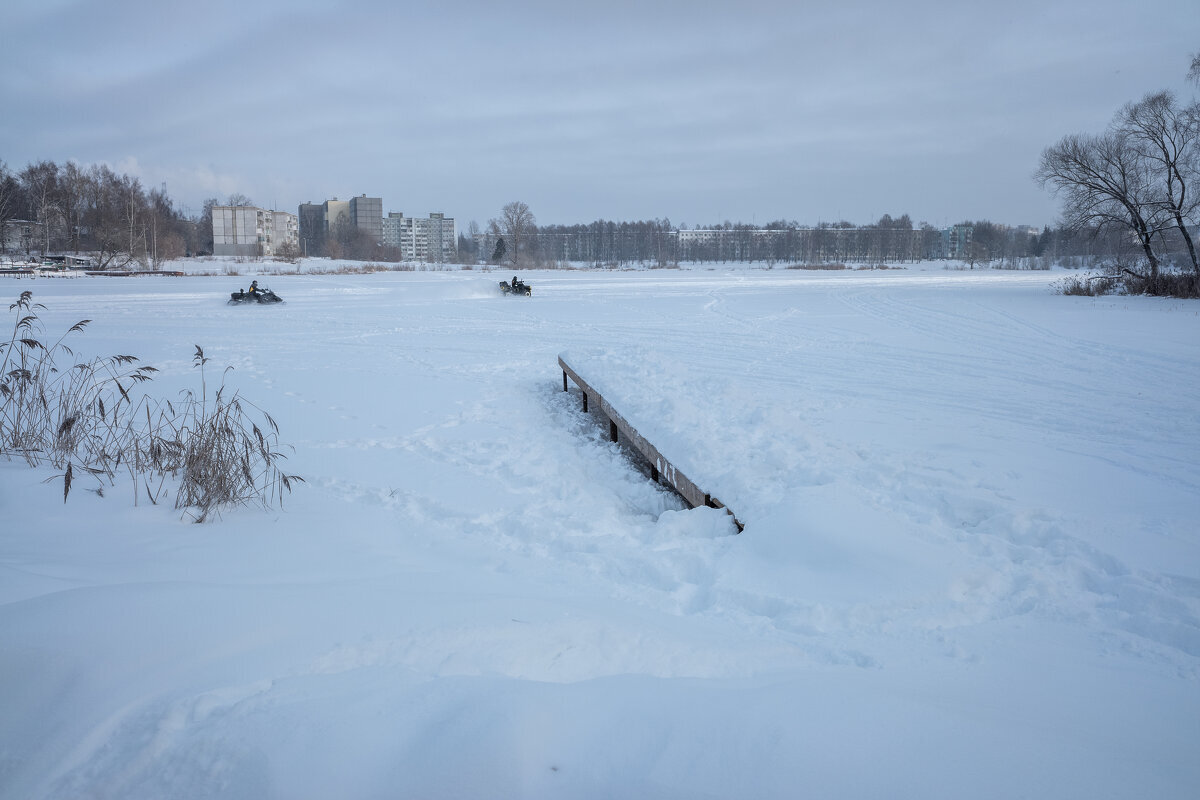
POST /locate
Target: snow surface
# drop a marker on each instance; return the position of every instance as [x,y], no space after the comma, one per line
[970,566]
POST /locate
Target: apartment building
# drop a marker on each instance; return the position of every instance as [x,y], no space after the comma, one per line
[367,214]
[252,231]
[318,221]
[432,240]
[20,235]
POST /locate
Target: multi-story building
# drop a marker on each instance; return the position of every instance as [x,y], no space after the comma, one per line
[319,221]
[432,240]
[252,231]
[285,229]
[336,212]
[20,235]
[956,240]
[312,228]
[367,214]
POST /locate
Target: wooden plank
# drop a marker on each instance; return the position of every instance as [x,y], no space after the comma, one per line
[661,469]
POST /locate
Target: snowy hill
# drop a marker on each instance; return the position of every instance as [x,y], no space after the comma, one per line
[970,566]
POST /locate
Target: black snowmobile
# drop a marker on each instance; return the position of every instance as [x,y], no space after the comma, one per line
[253,295]
[516,287]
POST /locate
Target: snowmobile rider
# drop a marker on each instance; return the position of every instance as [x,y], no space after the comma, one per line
[253,288]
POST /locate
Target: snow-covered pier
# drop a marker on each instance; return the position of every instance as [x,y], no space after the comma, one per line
[661,469]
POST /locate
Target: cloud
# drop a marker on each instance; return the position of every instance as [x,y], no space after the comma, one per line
[615,110]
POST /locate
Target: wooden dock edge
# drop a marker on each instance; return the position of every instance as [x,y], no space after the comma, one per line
[661,470]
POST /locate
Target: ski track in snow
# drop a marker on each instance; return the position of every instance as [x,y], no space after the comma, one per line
[940,474]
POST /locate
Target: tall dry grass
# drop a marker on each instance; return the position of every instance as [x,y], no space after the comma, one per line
[94,419]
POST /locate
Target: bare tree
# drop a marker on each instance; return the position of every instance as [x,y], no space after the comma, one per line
[1167,137]
[468,248]
[518,226]
[11,200]
[73,188]
[167,228]
[288,251]
[108,196]
[40,182]
[133,209]
[10,192]
[347,240]
[1104,182]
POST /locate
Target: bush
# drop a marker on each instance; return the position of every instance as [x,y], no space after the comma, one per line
[91,419]
[1125,281]
[1088,285]
[1169,284]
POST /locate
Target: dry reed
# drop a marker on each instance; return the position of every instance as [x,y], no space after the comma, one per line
[94,419]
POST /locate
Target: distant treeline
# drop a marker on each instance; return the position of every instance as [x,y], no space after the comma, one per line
[888,241]
[49,208]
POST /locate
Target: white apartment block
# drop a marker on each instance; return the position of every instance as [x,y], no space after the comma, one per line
[251,231]
[432,240]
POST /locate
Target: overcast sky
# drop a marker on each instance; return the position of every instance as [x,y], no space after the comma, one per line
[694,111]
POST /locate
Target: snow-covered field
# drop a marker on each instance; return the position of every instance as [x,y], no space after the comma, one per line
[970,565]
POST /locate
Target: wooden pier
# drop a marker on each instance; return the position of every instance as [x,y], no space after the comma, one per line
[661,470]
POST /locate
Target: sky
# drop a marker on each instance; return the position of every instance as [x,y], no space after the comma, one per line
[696,112]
